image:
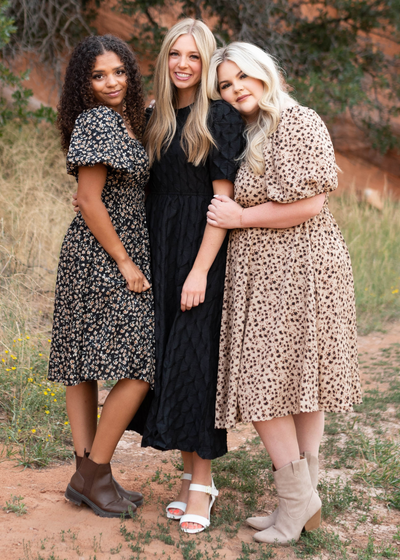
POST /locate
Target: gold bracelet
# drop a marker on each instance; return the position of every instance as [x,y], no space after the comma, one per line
[240,219]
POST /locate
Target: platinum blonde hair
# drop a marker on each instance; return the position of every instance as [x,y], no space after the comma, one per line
[196,138]
[256,63]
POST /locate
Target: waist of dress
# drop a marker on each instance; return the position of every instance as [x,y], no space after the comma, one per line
[179,193]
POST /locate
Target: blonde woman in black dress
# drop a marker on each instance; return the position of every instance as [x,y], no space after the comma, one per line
[193,147]
[104,318]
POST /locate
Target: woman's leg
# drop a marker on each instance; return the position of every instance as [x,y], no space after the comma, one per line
[183,495]
[198,502]
[82,413]
[309,430]
[118,410]
[280,440]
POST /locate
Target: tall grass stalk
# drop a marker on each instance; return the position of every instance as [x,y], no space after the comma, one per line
[373,238]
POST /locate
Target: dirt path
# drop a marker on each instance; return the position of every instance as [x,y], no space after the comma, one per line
[54,529]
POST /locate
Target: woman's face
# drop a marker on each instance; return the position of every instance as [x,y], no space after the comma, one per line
[109,81]
[239,90]
[184,65]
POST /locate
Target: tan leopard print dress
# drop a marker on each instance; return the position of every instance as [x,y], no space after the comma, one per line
[288,335]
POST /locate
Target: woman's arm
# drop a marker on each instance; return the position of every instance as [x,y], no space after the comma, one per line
[224,213]
[194,288]
[91,181]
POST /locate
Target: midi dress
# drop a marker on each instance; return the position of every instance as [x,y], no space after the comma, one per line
[288,335]
[182,411]
[101,329]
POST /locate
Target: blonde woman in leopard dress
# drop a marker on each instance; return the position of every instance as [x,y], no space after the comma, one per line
[288,338]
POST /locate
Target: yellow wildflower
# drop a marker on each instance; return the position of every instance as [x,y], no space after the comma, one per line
[66,423]
[47,411]
[33,431]
[40,354]
[30,379]
[395,291]
[44,392]
[28,337]
[6,351]
[13,368]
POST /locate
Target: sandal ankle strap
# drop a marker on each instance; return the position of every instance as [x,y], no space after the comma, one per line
[186,476]
[212,491]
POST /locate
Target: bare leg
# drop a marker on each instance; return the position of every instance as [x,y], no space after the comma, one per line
[82,413]
[118,410]
[184,491]
[198,502]
[280,440]
[309,430]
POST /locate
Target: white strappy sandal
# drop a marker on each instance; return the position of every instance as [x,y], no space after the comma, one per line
[178,505]
[199,519]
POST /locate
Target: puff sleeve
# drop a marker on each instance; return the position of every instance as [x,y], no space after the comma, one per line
[99,136]
[303,158]
[226,125]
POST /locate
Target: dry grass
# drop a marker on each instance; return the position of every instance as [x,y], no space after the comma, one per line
[34,215]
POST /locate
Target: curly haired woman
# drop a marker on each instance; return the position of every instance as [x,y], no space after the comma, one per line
[104,318]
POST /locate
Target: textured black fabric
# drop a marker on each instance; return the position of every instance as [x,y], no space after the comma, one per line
[182,412]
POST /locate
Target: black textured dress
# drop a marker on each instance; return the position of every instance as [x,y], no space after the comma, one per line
[102,330]
[182,412]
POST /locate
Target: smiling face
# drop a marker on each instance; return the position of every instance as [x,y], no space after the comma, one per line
[109,81]
[240,90]
[184,64]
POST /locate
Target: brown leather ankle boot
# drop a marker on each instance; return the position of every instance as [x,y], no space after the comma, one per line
[93,484]
[134,497]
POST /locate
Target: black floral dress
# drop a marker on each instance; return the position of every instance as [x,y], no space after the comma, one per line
[102,330]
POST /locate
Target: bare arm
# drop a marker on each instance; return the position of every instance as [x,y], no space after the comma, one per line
[91,181]
[223,212]
[194,288]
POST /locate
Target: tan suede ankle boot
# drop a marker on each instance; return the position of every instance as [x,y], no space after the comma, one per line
[261,523]
[299,505]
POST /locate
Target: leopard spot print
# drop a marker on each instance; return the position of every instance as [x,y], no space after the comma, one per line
[288,336]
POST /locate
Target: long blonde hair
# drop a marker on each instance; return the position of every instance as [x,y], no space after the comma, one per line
[256,63]
[196,138]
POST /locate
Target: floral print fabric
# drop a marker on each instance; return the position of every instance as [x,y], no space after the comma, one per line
[102,330]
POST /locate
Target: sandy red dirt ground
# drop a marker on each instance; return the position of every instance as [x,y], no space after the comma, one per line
[54,529]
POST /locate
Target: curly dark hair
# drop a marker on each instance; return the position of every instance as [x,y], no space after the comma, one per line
[77,94]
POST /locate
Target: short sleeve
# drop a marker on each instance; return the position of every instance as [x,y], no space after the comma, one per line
[226,125]
[303,157]
[99,136]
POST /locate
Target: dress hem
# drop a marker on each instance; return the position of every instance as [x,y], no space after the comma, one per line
[245,420]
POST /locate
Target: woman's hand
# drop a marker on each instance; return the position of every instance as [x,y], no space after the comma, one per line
[223,212]
[75,202]
[135,279]
[194,290]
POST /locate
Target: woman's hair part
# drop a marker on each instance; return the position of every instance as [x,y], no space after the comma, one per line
[255,63]
[196,137]
[77,93]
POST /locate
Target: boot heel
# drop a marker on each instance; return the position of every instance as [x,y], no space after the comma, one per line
[73,496]
[314,522]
